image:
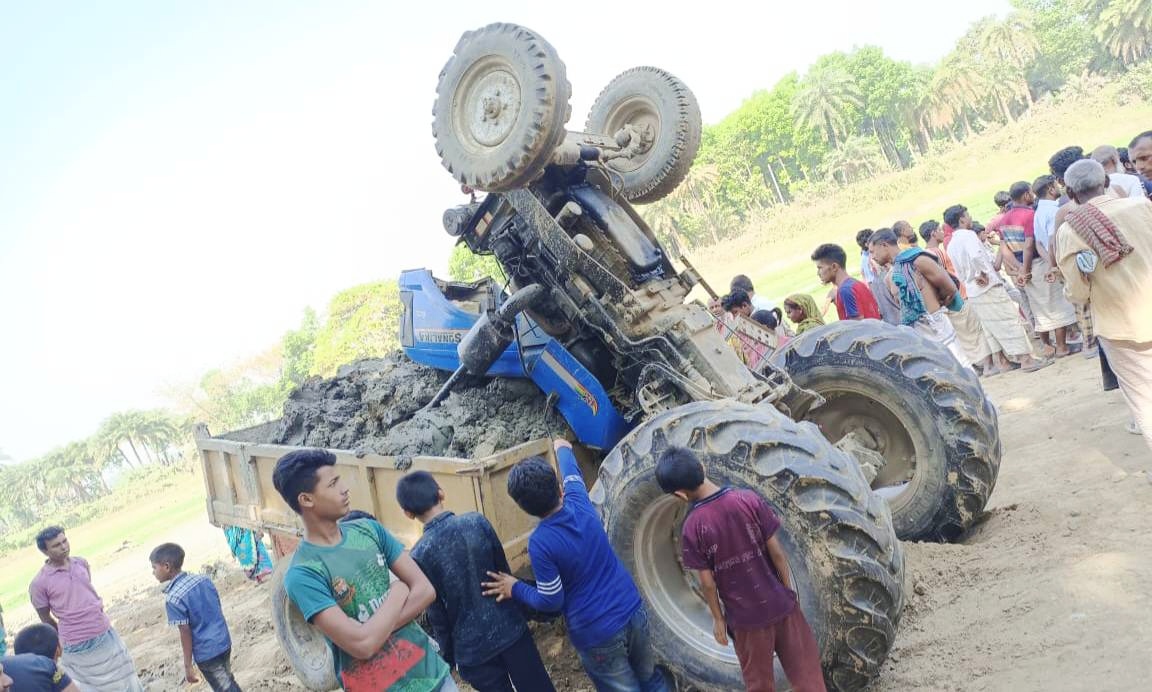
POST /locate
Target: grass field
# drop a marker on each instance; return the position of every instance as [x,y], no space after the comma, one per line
[969,174]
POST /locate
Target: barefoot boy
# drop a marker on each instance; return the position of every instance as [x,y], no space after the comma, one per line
[729,538]
[193,605]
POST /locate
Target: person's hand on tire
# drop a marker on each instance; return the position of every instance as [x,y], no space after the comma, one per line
[720,632]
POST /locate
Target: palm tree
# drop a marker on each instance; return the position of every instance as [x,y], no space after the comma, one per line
[962,84]
[857,157]
[1012,47]
[123,427]
[159,432]
[1125,29]
[825,100]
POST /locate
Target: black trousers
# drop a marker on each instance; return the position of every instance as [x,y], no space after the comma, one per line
[519,665]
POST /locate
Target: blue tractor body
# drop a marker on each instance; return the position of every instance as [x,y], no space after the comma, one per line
[438,314]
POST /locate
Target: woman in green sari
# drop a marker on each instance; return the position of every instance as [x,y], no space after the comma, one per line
[801,308]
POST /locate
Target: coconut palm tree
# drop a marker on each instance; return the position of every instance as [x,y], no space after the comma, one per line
[824,101]
[123,427]
[1124,27]
[1011,46]
[858,157]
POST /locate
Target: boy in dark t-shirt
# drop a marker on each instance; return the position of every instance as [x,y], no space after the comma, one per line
[729,538]
[340,580]
[35,666]
[488,641]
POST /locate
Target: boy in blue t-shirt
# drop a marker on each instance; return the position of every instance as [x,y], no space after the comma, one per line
[577,573]
[193,605]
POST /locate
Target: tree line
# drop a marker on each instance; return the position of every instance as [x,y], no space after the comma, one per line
[854,115]
[360,322]
[850,116]
[80,471]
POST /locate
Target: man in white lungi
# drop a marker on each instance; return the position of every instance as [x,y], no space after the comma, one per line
[63,596]
[1104,252]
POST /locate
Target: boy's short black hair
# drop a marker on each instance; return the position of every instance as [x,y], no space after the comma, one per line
[355,514]
[740,282]
[168,554]
[1042,185]
[1001,199]
[735,299]
[534,486]
[417,492]
[953,213]
[831,252]
[1061,160]
[862,237]
[977,226]
[40,639]
[679,469]
[768,318]
[884,236]
[295,473]
[47,534]
[928,228]
[1019,189]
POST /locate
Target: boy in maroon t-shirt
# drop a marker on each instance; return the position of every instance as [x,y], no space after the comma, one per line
[729,538]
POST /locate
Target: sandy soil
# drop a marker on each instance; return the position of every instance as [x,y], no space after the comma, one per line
[1049,592]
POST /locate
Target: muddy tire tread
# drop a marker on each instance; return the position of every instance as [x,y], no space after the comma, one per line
[815,488]
[685,137]
[964,418]
[537,138]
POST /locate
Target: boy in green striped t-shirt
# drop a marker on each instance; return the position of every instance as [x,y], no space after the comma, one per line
[339,579]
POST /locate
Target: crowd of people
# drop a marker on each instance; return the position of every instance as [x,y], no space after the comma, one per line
[1060,269]
[1064,267]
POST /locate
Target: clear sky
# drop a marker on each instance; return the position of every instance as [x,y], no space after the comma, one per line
[179,180]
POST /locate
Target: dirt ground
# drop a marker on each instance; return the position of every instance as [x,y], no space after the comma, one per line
[1049,592]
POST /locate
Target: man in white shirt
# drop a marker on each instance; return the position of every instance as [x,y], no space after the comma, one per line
[741,282]
[1047,193]
[1120,183]
[999,316]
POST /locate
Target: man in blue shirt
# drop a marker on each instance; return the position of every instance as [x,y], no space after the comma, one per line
[577,573]
[193,605]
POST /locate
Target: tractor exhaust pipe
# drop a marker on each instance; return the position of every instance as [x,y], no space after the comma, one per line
[492,334]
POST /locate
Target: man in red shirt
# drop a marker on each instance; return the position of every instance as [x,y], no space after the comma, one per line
[854,300]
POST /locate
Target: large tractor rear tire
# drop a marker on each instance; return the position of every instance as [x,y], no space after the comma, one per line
[501,106]
[304,645]
[845,559]
[917,406]
[656,102]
